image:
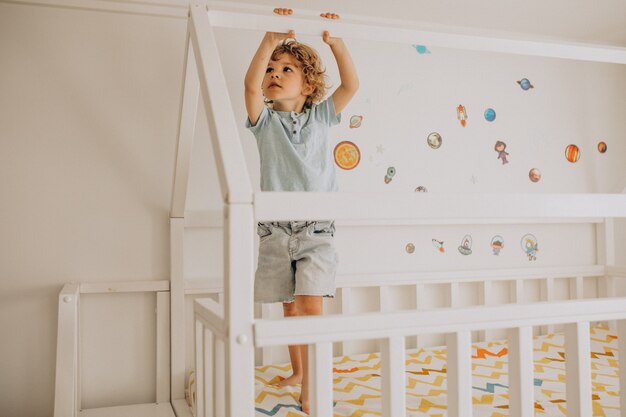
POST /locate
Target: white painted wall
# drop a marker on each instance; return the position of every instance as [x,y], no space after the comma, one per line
[88,117]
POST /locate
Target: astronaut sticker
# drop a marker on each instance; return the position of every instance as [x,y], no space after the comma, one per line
[530,246]
[500,147]
[497,244]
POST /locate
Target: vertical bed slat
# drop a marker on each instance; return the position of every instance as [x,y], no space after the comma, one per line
[459,351]
[486,299]
[576,288]
[547,294]
[346,308]
[420,302]
[220,381]
[321,379]
[517,291]
[163,347]
[199,336]
[521,375]
[393,377]
[621,346]
[209,374]
[605,253]
[578,369]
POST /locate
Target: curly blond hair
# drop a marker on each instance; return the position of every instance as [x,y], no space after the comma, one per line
[311,64]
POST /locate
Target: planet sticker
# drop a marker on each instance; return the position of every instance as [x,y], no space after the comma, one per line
[421,49]
[347,155]
[466,245]
[355,121]
[410,248]
[534,175]
[601,147]
[525,84]
[530,246]
[434,140]
[572,153]
[490,115]
[391,171]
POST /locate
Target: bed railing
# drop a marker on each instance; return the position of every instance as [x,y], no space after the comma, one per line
[393,328]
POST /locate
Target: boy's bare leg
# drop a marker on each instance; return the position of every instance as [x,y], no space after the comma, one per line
[307,305]
[290,310]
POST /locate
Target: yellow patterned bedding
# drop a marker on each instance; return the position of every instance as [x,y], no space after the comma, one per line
[357,381]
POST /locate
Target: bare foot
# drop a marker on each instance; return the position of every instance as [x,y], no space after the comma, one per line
[304,402]
[292,380]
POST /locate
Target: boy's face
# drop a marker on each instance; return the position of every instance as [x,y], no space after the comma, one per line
[284,80]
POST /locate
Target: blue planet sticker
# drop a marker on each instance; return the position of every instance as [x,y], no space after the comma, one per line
[490,115]
[421,49]
[525,84]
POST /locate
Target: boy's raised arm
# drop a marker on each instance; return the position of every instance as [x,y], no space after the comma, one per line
[347,72]
[256,71]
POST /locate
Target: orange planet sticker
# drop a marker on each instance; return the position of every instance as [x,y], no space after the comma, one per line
[347,155]
[572,153]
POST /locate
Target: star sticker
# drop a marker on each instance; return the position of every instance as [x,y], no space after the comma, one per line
[380,149]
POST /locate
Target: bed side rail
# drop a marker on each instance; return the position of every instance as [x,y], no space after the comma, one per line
[392,329]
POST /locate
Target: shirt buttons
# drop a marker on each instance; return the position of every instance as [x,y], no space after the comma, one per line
[294,132]
[294,122]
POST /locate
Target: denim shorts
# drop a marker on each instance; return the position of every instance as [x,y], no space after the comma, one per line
[295,258]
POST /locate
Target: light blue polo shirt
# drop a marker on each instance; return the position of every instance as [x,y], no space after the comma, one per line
[294,148]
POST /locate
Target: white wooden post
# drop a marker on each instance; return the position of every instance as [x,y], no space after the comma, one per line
[578,369]
[163,378]
[186,130]
[459,353]
[393,377]
[321,379]
[177,305]
[239,308]
[66,380]
[521,375]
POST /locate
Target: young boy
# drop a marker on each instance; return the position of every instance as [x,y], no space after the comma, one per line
[284,88]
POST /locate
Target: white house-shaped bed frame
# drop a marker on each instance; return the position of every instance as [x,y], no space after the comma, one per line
[227,333]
